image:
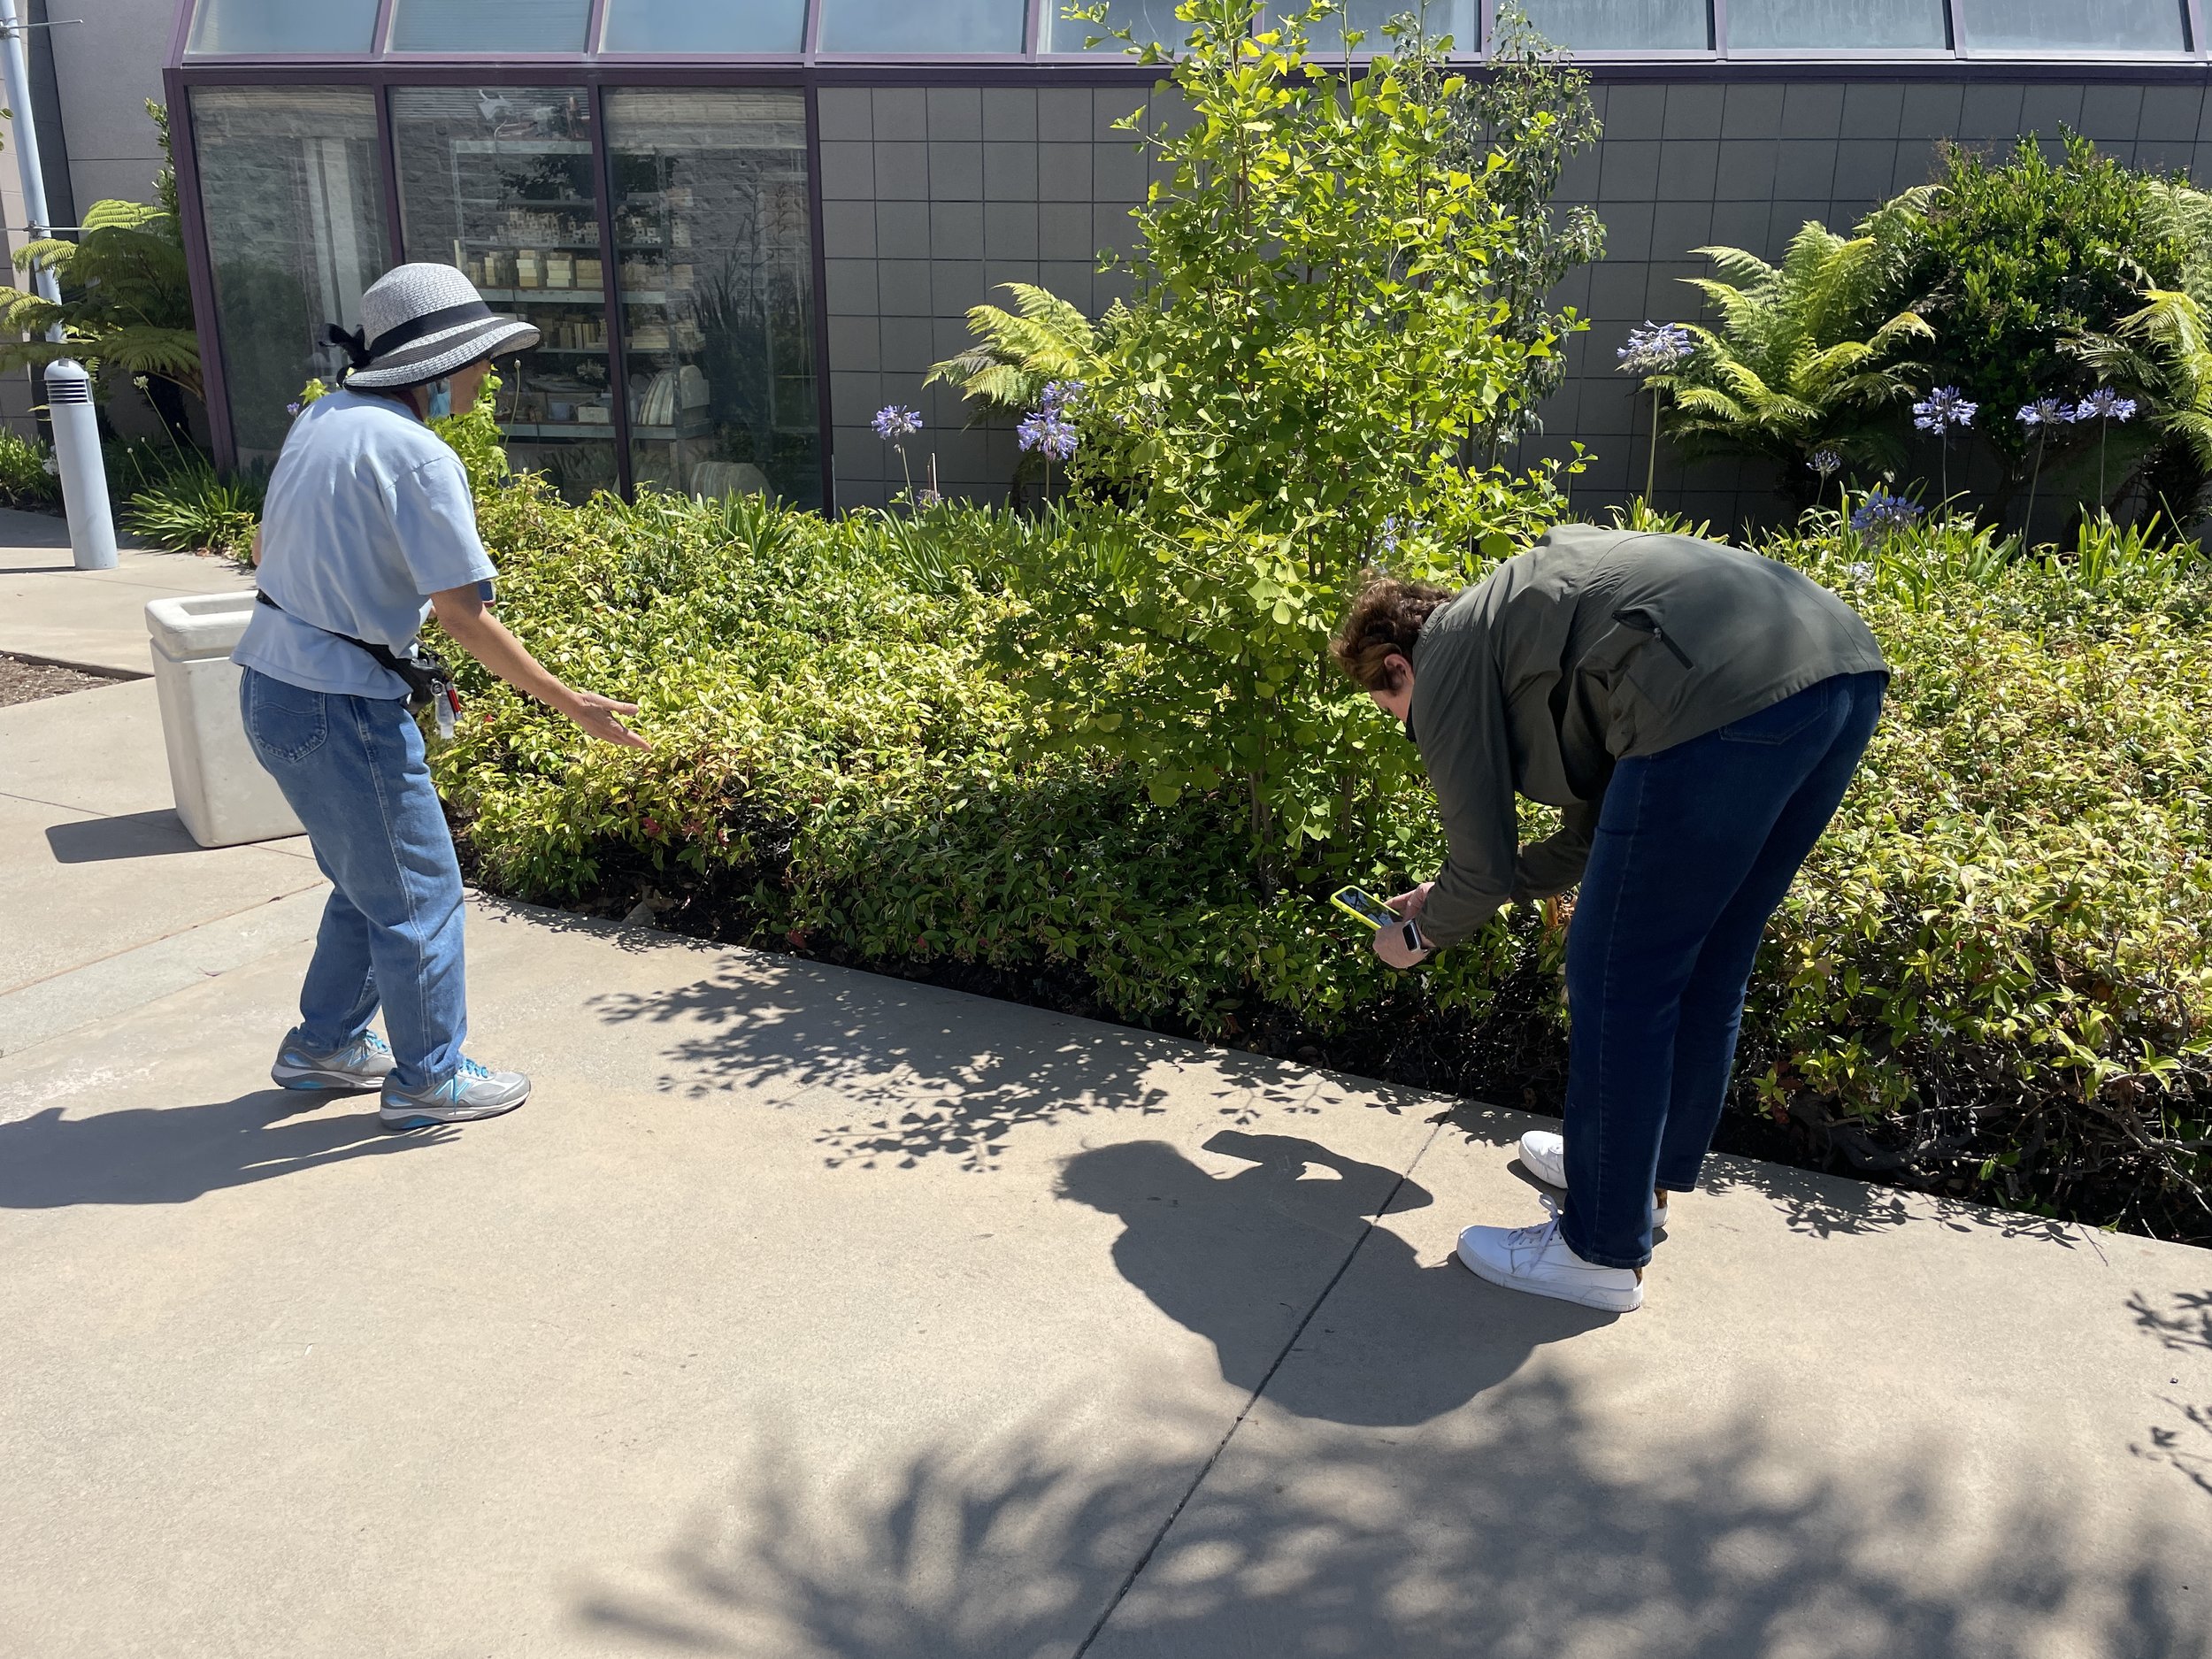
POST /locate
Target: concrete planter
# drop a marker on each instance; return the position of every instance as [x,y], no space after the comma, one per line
[223,793]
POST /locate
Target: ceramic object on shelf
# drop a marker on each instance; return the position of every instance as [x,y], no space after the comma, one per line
[560,271]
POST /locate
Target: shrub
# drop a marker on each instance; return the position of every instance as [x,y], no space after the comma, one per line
[2017,257]
[28,479]
[1993,979]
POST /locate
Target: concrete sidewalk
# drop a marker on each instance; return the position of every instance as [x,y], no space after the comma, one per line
[92,619]
[803,1313]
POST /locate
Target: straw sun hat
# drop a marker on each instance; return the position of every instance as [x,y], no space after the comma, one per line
[421,322]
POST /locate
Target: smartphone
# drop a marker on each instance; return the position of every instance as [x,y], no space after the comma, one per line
[1363,906]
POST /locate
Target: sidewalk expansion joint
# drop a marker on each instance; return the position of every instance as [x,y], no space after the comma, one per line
[1129,1580]
[163,939]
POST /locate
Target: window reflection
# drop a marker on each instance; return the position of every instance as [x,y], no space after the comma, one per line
[1837,25]
[499,180]
[714,242]
[1627,26]
[705,26]
[1149,23]
[283,26]
[893,28]
[1438,18]
[2109,26]
[490,25]
[294,213]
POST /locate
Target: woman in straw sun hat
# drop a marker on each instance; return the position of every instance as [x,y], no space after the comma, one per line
[368,530]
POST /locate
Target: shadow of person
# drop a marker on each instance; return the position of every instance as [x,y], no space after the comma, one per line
[173,1155]
[1242,1259]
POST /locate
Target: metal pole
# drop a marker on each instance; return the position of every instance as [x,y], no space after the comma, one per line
[84,483]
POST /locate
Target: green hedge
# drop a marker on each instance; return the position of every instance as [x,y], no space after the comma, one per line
[1992,980]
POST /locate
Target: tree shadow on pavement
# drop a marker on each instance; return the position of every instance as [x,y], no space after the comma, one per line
[173,1155]
[1517,1531]
[940,1073]
[2183,1326]
[1815,1205]
[1232,1257]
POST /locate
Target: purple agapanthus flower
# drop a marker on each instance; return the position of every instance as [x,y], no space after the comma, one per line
[1655,348]
[2104,403]
[1826,462]
[293,410]
[1059,397]
[1885,512]
[1944,410]
[1048,432]
[2045,411]
[893,423]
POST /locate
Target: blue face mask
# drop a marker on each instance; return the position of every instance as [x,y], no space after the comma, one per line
[441,400]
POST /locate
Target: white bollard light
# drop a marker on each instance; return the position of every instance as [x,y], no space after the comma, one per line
[84,479]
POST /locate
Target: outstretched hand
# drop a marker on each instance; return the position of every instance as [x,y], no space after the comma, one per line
[598,716]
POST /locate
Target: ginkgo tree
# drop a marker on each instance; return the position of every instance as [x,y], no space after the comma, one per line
[1316,330]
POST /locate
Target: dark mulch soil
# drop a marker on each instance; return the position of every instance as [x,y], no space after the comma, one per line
[22,681]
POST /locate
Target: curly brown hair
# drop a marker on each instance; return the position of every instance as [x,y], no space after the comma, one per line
[1384,622]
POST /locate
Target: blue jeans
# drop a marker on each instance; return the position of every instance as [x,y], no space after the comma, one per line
[1696,847]
[354,770]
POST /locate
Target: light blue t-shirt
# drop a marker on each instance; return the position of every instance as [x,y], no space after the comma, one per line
[369,513]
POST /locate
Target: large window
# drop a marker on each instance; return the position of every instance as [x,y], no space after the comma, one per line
[1624,25]
[705,26]
[488,25]
[1756,25]
[500,181]
[2093,25]
[1454,17]
[295,215]
[1150,22]
[713,236]
[283,26]
[907,28]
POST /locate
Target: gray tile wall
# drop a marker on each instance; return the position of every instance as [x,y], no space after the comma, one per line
[1686,165]
[932,196]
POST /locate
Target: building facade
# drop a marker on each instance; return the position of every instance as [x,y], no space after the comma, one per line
[744,228]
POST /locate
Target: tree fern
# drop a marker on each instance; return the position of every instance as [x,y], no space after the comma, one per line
[126,295]
[1018,353]
[1798,357]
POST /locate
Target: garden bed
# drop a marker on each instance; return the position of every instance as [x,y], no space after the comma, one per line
[1992,981]
[26,679]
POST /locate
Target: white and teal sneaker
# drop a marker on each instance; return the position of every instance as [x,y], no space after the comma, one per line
[470,1094]
[362,1064]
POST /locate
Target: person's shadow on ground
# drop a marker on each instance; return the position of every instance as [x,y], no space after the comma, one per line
[173,1155]
[1239,1259]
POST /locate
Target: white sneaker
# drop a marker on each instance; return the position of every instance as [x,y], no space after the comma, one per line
[1546,1156]
[1538,1260]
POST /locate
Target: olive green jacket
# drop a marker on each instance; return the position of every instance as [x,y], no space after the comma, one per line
[1593,646]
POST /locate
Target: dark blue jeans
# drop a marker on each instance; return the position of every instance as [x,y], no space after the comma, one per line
[1696,847]
[354,770]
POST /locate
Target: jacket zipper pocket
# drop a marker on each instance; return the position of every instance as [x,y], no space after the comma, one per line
[1642,623]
